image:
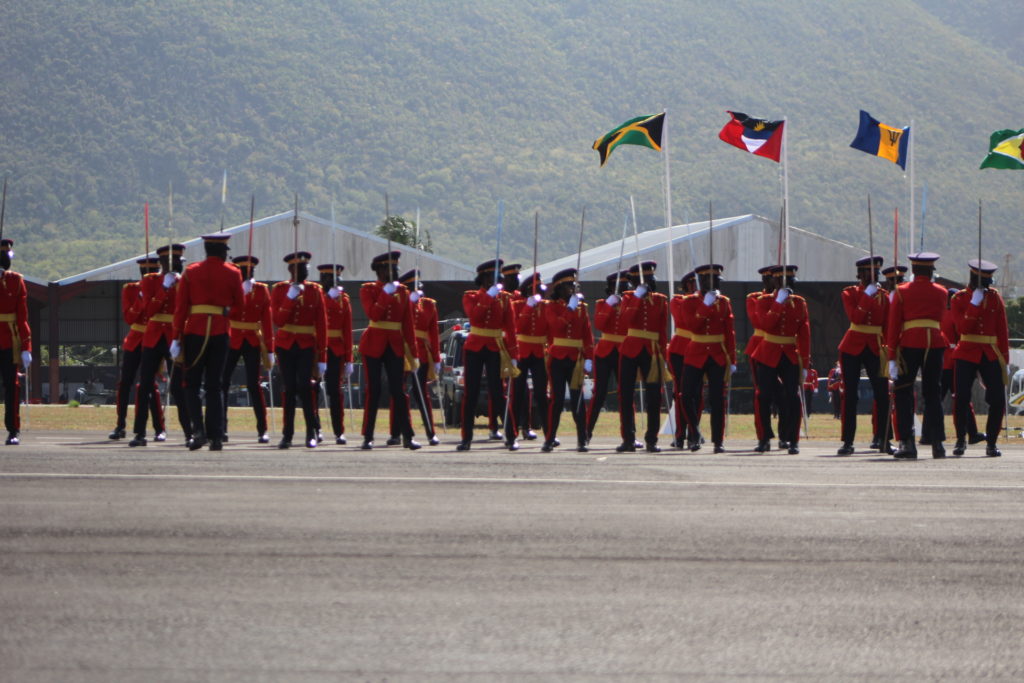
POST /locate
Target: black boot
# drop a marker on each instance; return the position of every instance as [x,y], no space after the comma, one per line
[512,444]
[117,434]
[653,447]
[393,441]
[763,446]
[876,444]
[938,450]
[960,447]
[197,442]
[216,445]
[992,452]
[139,440]
[907,450]
[548,446]
[847,448]
[463,445]
[978,437]
[719,448]
[581,447]
[626,447]
[411,444]
[367,444]
[286,442]
[794,449]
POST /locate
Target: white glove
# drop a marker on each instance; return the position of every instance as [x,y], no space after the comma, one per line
[271,358]
[641,291]
[783,294]
[871,289]
[977,297]
[175,349]
[493,291]
[170,279]
[26,358]
[294,290]
[515,363]
[732,369]
[348,369]
[588,365]
[612,300]
[573,302]
[247,286]
[390,288]
[710,297]
[437,368]
[893,370]
[334,292]
[322,368]
[415,296]
[532,301]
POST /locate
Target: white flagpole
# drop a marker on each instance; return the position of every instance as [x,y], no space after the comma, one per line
[910,153]
[785,183]
[668,207]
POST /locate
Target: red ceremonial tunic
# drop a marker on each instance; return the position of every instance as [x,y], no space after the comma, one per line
[983,329]
[301,320]
[131,311]
[339,326]
[609,322]
[787,330]
[915,315]
[14,333]
[251,322]
[811,381]
[204,292]
[678,307]
[645,320]
[752,312]
[868,321]
[493,315]
[428,341]
[569,333]
[835,380]
[391,323]
[531,328]
[157,308]
[712,332]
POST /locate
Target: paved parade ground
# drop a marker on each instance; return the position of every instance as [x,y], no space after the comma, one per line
[160,564]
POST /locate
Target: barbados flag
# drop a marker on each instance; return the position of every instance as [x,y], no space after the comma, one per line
[881,140]
[757,136]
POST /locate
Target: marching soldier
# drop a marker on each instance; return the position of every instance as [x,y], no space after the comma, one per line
[532,338]
[207,292]
[15,339]
[762,427]
[510,285]
[645,313]
[916,344]
[948,383]
[863,347]
[387,346]
[297,308]
[251,339]
[609,322]
[980,317]
[570,356]
[131,354]
[158,295]
[893,278]
[781,355]
[710,353]
[835,390]
[339,345]
[491,346]
[428,352]
[686,434]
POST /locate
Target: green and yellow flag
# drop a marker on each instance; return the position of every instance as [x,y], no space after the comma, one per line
[644,131]
[1005,150]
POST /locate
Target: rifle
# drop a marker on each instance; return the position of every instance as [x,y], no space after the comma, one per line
[223,198]
[295,238]
[576,287]
[3,209]
[536,223]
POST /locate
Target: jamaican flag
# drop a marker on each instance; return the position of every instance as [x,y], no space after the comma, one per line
[1005,150]
[643,130]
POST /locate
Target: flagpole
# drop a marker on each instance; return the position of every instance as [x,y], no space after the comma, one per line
[910,153]
[785,182]
[668,205]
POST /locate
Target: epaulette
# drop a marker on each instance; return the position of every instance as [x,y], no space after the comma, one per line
[428,299]
[723,296]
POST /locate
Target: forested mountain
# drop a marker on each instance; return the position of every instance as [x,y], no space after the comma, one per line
[454,106]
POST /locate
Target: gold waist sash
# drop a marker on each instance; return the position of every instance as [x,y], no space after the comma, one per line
[707,338]
[563,341]
[613,338]
[334,334]
[866,329]
[643,334]
[921,322]
[385,325]
[162,318]
[136,327]
[299,329]
[779,339]
[979,338]
[206,309]
[681,332]
[531,339]
[492,332]
[240,325]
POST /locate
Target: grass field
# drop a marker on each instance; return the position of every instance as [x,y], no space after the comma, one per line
[741,427]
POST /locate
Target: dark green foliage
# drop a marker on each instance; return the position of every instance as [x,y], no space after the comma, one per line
[454,106]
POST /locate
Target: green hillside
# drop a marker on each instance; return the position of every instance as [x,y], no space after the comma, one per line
[454,106]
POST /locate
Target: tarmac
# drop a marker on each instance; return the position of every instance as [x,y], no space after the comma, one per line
[326,564]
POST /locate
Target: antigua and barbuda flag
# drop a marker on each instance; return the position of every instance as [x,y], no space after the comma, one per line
[643,130]
[757,136]
[881,140]
[1005,150]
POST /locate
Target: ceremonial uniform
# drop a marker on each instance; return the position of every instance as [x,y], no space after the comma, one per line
[781,355]
[206,293]
[863,347]
[492,347]
[339,346]
[810,388]
[710,353]
[916,343]
[642,355]
[387,346]
[15,340]
[131,354]
[980,317]
[763,428]
[158,296]
[609,322]
[251,339]
[678,309]
[835,391]
[297,309]
[947,384]
[570,352]
[532,339]
[428,353]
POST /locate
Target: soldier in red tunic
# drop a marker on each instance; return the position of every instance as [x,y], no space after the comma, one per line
[158,296]
[980,317]
[678,307]
[131,354]
[387,346]
[491,346]
[510,285]
[863,347]
[251,339]
[206,294]
[339,345]
[781,355]
[948,383]
[609,322]
[428,352]
[570,356]
[916,344]
[762,426]
[642,355]
[835,390]
[297,308]
[710,353]
[15,339]
[532,337]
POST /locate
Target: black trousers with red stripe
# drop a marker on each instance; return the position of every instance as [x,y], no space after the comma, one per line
[929,363]
[332,387]
[692,394]
[560,374]
[250,355]
[296,364]
[780,385]
[152,357]
[424,406]
[130,362]
[204,368]
[993,377]
[684,430]
[476,363]
[851,366]
[533,368]
[392,365]
[12,390]
[629,368]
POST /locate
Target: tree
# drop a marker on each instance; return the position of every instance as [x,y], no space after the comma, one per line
[403,231]
[1015,317]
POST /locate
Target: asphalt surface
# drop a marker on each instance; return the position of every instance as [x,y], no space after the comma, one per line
[252,564]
